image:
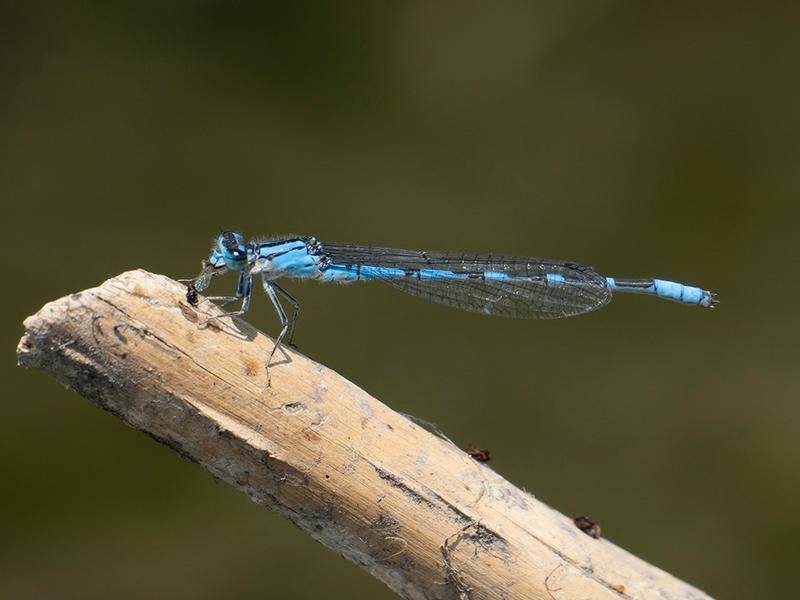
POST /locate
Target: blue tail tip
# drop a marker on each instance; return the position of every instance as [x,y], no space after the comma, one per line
[710,299]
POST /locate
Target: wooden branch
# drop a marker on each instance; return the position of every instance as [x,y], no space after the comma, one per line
[408,507]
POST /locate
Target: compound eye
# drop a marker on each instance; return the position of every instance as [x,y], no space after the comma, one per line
[237,254]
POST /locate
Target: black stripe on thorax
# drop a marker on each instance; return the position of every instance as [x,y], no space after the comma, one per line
[275,255]
[280,242]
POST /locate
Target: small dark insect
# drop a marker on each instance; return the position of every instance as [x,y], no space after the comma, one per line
[587,526]
[191,294]
[479,454]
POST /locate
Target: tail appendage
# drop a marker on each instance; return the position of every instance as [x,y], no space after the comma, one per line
[677,292]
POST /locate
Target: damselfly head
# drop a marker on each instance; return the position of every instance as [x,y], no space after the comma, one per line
[230,251]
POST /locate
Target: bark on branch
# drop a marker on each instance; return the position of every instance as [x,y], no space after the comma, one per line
[408,507]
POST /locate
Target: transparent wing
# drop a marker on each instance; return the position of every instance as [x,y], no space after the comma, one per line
[526,293]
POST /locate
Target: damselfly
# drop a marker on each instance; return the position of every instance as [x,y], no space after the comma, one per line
[509,286]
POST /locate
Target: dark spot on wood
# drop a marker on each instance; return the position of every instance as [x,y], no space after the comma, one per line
[311,435]
[396,483]
[188,313]
[479,454]
[118,330]
[587,526]
[485,537]
[385,524]
[250,366]
[319,518]
[244,479]
[382,521]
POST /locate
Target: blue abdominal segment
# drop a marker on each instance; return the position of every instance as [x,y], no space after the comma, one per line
[670,290]
[348,273]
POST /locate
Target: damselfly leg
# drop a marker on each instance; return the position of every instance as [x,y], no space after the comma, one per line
[243,291]
[295,314]
[270,291]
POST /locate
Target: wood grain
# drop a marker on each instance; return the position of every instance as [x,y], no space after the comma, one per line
[405,505]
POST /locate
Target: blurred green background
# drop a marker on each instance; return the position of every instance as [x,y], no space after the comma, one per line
[645,139]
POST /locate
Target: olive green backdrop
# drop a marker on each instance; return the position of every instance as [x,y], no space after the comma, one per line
[645,139]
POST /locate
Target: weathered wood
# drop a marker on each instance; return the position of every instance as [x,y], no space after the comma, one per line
[409,507]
